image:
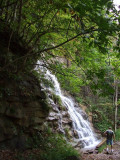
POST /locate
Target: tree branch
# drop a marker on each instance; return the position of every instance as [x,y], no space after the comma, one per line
[50,48]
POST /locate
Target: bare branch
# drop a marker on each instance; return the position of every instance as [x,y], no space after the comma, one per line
[68,27]
[20,15]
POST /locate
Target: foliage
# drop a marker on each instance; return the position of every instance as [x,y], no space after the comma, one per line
[102,125]
[102,148]
[117,135]
[79,100]
[46,26]
[71,82]
[59,150]
[53,146]
[102,114]
[41,77]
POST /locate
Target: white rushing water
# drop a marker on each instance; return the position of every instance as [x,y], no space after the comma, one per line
[82,126]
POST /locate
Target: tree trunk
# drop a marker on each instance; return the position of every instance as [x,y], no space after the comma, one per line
[115,103]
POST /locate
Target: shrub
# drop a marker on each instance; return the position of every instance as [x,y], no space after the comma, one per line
[58,149]
[52,146]
[117,134]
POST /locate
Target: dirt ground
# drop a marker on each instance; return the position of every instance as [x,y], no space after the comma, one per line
[104,156]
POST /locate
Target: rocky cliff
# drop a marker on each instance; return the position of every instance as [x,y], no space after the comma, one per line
[23,108]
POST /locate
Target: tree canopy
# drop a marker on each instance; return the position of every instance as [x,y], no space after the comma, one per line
[49,25]
[84,32]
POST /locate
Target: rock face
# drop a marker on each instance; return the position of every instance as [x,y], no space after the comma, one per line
[23,108]
[59,120]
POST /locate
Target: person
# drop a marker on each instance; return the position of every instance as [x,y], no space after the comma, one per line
[110,137]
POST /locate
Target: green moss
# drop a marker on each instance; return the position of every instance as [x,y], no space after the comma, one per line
[67,133]
[45,105]
[57,99]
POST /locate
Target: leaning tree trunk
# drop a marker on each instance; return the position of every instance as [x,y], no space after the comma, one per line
[115,103]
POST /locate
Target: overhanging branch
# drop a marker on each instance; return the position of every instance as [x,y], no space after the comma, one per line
[30,53]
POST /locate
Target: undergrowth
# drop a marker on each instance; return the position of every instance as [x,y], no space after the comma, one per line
[48,146]
[117,135]
[102,148]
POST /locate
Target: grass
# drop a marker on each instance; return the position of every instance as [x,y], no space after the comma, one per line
[102,148]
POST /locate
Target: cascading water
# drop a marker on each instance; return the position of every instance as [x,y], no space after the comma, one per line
[82,126]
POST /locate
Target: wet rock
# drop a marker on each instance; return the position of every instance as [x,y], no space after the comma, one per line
[53,116]
[68,133]
[80,144]
[86,152]
[84,115]
[72,158]
[65,114]
[56,125]
[54,108]
[95,151]
[60,130]
[67,121]
[75,134]
[90,151]
[98,136]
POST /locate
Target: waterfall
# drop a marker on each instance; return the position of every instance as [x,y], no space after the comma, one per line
[82,126]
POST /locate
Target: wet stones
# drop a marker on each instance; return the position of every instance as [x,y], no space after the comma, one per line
[75,134]
[72,158]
